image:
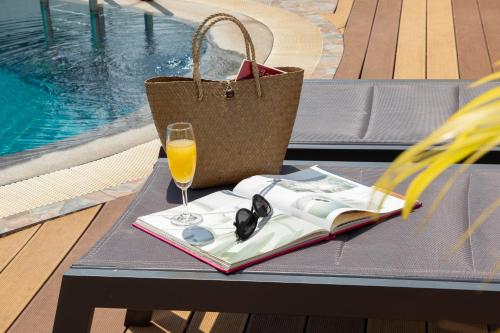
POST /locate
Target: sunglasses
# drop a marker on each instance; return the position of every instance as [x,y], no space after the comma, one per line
[246,219]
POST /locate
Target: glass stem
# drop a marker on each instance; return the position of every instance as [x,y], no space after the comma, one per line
[185,211]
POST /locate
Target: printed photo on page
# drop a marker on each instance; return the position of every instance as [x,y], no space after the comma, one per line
[317,195]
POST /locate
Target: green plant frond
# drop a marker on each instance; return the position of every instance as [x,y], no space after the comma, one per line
[475,225]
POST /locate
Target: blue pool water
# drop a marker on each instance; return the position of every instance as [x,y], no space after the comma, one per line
[64,72]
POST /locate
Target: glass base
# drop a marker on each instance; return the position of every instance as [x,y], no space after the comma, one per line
[186,219]
[197,236]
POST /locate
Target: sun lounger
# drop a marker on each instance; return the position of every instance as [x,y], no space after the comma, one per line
[387,271]
[374,120]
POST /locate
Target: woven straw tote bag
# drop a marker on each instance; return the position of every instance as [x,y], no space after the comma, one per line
[242,128]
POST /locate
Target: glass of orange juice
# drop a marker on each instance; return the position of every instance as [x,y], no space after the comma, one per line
[181,154]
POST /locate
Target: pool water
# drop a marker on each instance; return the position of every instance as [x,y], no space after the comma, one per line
[64,72]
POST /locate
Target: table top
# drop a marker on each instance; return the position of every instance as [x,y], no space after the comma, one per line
[387,250]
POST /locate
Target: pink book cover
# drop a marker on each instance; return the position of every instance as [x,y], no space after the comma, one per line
[245,71]
[285,251]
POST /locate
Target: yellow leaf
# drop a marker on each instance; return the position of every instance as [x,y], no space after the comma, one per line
[487,78]
[467,135]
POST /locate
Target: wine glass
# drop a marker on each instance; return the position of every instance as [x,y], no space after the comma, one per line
[181,153]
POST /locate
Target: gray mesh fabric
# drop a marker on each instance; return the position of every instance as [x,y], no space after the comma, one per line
[371,112]
[485,243]
[466,93]
[408,113]
[393,248]
[348,118]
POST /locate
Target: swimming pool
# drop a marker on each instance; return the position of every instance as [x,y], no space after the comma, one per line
[65,72]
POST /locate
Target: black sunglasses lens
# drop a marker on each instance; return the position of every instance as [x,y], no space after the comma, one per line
[261,206]
[245,223]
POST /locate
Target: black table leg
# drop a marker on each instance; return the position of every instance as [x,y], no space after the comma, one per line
[138,317]
[74,314]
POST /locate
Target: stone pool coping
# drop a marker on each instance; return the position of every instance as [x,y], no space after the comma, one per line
[61,192]
[59,159]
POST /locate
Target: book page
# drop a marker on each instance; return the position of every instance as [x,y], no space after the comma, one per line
[280,231]
[317,195]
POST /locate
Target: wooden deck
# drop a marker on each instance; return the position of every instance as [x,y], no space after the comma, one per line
[418,39]
[32,262]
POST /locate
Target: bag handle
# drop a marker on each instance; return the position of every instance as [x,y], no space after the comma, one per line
[196,48]
[197,43]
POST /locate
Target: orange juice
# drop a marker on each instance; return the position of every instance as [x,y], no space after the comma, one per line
[182,159]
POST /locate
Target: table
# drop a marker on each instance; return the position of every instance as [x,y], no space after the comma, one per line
[387,270]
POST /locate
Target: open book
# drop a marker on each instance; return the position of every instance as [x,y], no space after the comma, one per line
[309,206]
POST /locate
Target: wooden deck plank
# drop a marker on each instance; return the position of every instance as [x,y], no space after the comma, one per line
[11,245]
[473,58]
[411,49]
[441,47]
[148,329]
[37,260]
[356,38]
[276,324]
[165,321]
[446,326]
[395,326]
[490,17]
[39,314]
[172,321]
[341,15]
[215,322]
[317,324]
[494,328]
[381,53]
[107,320]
